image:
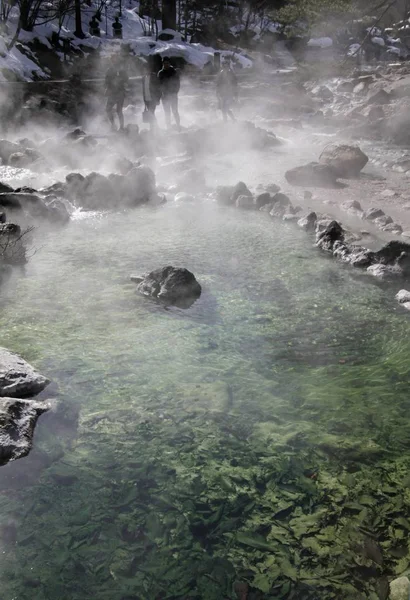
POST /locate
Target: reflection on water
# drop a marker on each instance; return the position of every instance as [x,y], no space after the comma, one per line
[259,438]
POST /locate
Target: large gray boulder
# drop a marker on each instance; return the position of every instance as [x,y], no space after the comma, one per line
[172,285]
[18,418]
[347,161]
[312,174]
[18,379]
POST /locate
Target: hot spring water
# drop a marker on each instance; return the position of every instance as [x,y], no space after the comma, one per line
[260,436]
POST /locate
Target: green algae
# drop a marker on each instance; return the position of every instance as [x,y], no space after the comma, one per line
[260,437]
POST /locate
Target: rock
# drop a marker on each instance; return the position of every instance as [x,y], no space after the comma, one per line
[353,207]
[245,202]
[5,188]
[192,181]
[173,285]
[18,379]
[12,244]
[272,188]
[290,217]
[308,222]
[2,217]
[183,197]
[140,185]
[240,189]
[385,271]
[406,234]
[7,149]
[393,228]
[75,134]
[406,305]
[97,192]
[371,214]
[307,195]
[403,296]
[313,174]
[347,161]
[383,221]
[389,194]
[24,159]
[223,195]
[157,200]
[18,418]
[346,86]
[323,92]
[393,252]
[326,239]
[262,200]
[373,113]
[322,223]
[57,211]
[380,97]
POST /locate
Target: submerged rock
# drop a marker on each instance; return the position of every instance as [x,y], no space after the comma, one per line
[18,379]
[314,174]
[347,161]
[172,285]
[18,418]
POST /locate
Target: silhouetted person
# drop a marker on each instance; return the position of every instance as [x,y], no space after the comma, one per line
[151,93]
[117,28]
[170,84]
[227,92]
[94,27]
[116,81]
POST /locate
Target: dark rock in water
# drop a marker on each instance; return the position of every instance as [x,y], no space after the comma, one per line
[18,379]
[308,222]
[393,228]
[383,221]
[11,201]
[3,218]
[347,161]
[74,178]
[380,97]
[57,211]
[314,174]
[140,185]
[392,252]
[224,195]
[281,199]
[172,285]
[384,272]
[333,233]
[240,189]
[373,213]
[25,190]
[262,200]
[5,188]
[75,134]
[13,250]
[18,418]
[245,202]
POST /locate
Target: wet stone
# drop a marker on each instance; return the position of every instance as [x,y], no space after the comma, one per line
[403,296]
[400,589]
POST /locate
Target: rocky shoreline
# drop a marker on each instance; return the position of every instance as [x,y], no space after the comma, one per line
[20,383]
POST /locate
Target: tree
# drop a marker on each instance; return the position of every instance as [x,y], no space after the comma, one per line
[78,23]
[169,14]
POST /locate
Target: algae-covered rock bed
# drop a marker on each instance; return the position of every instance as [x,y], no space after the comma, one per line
[254,445]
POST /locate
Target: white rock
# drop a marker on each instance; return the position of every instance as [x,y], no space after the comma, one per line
[400,589]
[389,193]
[406,305]
[403,296]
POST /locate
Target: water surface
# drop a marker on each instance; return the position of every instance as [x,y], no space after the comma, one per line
[259,437]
